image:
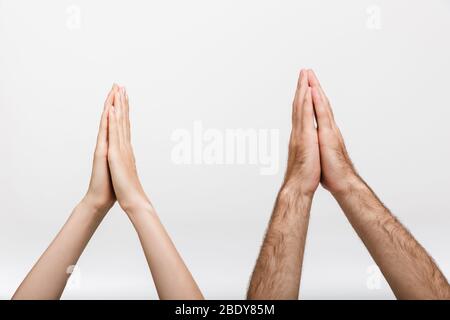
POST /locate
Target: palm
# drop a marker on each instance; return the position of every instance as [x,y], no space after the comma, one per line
[100,187]
[336,165]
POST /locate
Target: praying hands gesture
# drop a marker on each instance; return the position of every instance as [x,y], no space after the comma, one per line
[319,154]
[114,176]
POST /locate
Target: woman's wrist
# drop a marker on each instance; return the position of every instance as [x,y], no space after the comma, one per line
[138,208]
[142,215]
[95,207]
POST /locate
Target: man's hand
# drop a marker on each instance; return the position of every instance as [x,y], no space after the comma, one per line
[303,169]
[337,168]
[100,194]
[278,268]
[409,270]
[127,187]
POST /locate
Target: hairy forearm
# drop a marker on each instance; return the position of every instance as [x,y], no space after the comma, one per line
[409,270]
[172,278]
[49,275]
[278,268]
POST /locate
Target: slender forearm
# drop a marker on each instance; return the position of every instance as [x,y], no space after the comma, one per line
[172,278]
[48,277]
[409,270]
[278,268]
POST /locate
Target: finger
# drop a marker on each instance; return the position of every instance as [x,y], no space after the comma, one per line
[118,115]
[110,98]
[322,115]
[294,103]
[127,100]
[113,134]
[302,86]
[102,137]
[314,82]
[125,120]
[308,111]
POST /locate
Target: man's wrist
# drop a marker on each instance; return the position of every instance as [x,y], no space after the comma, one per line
[294,189]
[351,185]
[294,193]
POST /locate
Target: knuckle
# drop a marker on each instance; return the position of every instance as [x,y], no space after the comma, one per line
[320,110]
[305,99]
[112,152]
[99,153]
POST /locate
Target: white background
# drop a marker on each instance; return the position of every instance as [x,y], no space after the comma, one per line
[229,64]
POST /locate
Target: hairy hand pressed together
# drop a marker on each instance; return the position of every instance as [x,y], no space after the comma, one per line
[317,155]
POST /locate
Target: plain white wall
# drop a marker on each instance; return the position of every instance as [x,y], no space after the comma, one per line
[230,64]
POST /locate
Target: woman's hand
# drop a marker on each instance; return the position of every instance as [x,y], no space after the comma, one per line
[171,276]
[127,187]
[48,277]
[100,195]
